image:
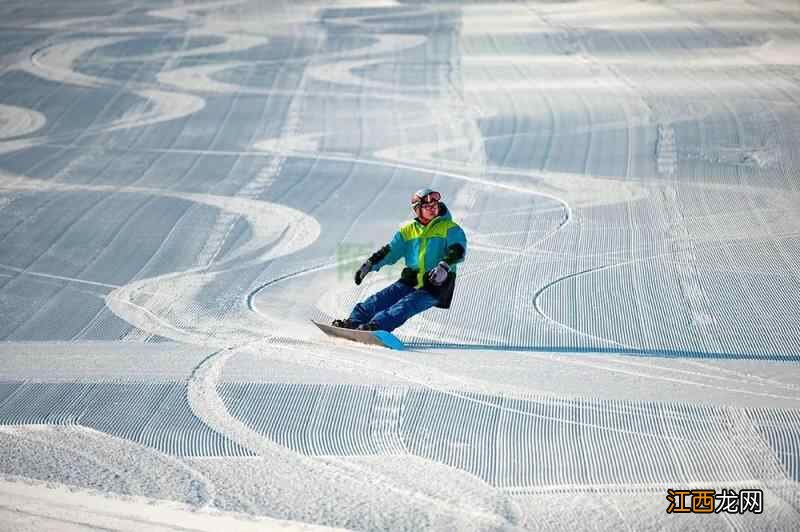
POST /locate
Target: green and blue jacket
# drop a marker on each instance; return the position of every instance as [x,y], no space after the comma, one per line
[423,247]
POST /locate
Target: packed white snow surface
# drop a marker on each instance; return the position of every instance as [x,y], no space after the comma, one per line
[183,185]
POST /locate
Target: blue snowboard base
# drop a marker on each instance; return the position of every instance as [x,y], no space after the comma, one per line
[381,338]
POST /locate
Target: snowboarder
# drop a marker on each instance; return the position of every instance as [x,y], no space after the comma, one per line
[432,244]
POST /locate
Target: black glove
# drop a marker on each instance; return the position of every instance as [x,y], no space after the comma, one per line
[363,271]
[438,275]
[455,253]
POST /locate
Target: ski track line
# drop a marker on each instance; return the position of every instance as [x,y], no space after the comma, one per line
[655,487]
[87,455]
[225,217]
[105,460]
[168,106]
[375,353]
[304,227]
[537,306]
[208,406]
[252,210]
[157,414]
[64,55]
[46,184]
[65,231]
[109,242]
[59,507]
[590,271]
[85,157]
[539,293]
[453,460]
[255,188]
[98,316]
[182,12]
[55,277]
[745,376]
[161,246]
[564,359]
[80,24]
[679,380]
[270,147]
[225,223]
[79,160]
[322,448]
[231,43]
[420,382]
[739,377]
[92,45]
[252,297]
[426,170]
[19,121]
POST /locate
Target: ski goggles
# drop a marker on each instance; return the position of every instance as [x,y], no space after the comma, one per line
[428,200]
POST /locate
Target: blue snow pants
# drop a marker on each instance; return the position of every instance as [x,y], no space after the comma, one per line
[392,306]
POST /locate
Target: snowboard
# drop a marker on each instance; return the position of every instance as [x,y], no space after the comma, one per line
[381,338]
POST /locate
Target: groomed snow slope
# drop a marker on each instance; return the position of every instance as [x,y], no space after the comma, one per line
[184,184]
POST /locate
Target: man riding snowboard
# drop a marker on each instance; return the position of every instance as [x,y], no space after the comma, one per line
[431,244]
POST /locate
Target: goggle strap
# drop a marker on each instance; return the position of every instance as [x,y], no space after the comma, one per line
[431,197]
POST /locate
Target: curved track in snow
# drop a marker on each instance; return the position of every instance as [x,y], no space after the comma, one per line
[183,186]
